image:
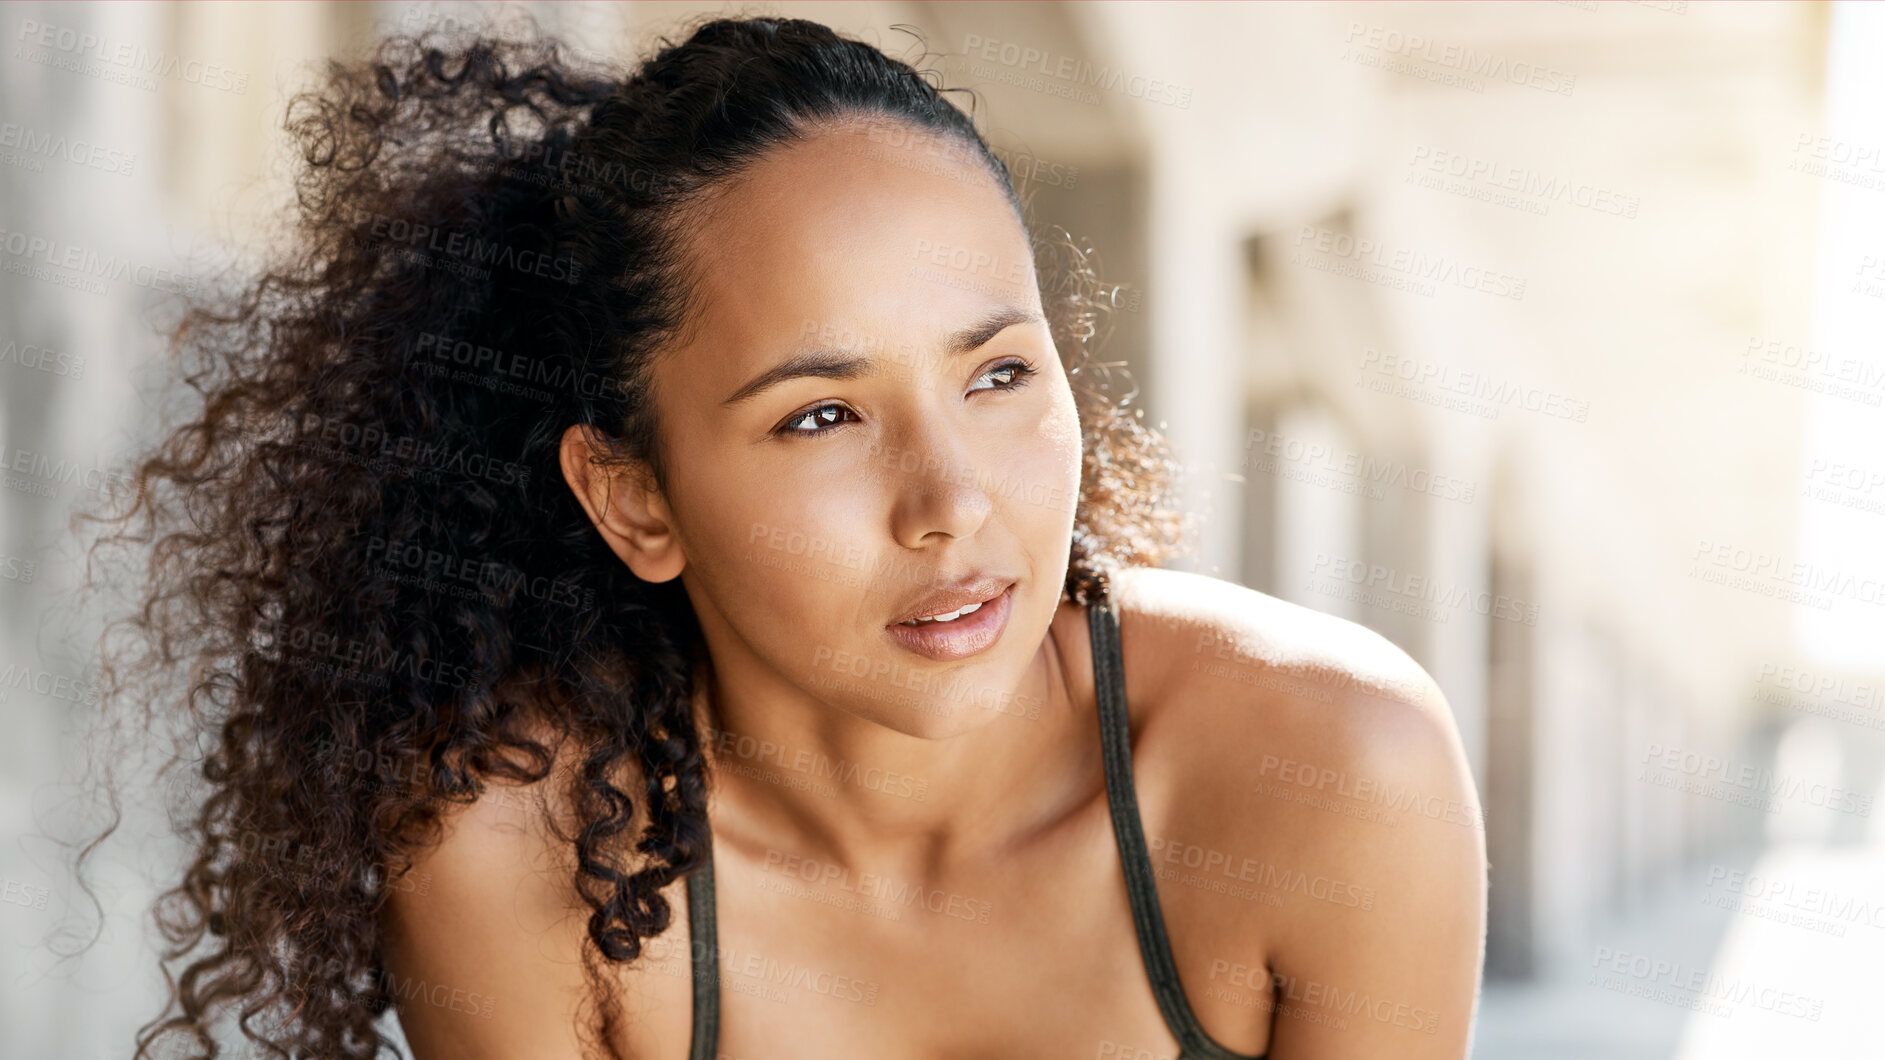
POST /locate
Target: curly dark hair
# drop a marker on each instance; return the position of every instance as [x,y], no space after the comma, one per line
[365,577]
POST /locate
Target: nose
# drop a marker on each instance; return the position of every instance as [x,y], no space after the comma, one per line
[940,491]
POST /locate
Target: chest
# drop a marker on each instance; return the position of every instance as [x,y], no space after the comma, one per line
[1035,956]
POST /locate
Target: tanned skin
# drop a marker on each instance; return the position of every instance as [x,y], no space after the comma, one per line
[1347,923]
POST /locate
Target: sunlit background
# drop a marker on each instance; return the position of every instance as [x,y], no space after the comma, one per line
[1543,338]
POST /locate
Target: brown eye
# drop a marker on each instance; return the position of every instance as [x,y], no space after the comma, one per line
[820,418]
[1010,375]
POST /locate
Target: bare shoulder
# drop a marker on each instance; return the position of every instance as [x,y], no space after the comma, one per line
[484,959]
[510,838]
[1257,674]
[1207,631]
[1252,679]
[1309,807]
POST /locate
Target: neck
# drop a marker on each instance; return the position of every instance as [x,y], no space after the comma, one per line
[796,776]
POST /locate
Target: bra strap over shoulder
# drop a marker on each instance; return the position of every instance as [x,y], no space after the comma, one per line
[703,944]
[1109,680]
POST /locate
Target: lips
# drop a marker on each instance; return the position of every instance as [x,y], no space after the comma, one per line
[976,629]
[976,590]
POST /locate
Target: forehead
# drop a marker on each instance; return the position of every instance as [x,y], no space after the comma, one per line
[878,231]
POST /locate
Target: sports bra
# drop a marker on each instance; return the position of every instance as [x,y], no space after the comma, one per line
[1109,679]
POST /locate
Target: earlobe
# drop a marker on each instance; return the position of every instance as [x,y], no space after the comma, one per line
[625,507]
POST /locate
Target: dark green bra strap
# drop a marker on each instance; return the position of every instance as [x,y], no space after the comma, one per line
[1141,889]
[1109,687]
[703,943]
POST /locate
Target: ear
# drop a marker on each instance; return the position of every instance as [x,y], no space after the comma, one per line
[627,508]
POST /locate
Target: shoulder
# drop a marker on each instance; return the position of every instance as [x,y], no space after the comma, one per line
[1194,630]
[519,825]
[514,843]
[1308,806]
[498,921]
[1203,653]
[1265,727]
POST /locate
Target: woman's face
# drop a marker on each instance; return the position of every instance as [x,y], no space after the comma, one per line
[868,412]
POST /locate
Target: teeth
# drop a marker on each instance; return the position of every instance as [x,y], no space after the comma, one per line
[948,616]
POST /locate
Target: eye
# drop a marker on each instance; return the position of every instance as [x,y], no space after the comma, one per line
[1013,376]
[829,417]
[823,416]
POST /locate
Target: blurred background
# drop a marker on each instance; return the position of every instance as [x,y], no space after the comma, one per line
[1543,338]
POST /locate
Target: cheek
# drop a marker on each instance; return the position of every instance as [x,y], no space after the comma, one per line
[762,538]
[1051,461]
[790,535]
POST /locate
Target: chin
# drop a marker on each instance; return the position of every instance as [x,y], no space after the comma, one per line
[934,701]
[922,725]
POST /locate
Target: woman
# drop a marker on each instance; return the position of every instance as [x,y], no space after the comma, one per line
[665,585]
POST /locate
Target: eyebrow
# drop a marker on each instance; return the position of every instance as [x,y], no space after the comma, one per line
[837,364]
